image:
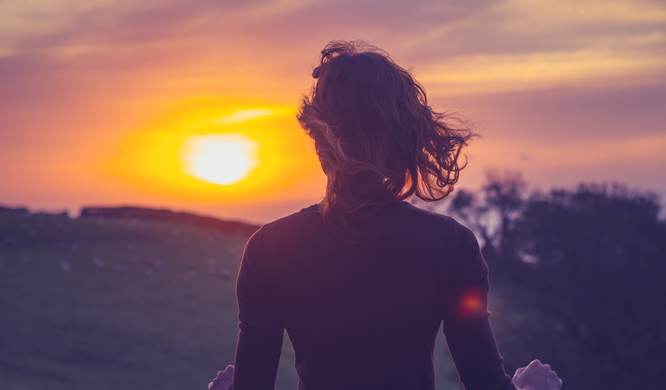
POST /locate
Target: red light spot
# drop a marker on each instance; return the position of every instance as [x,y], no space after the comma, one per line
[471,303]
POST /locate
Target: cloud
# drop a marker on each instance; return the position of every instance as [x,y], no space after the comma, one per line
[25,20]
[519,72]
[647,150]
[565,116]
[555,14]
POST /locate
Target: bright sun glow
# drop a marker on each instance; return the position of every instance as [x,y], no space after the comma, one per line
[221,150]
[222,159]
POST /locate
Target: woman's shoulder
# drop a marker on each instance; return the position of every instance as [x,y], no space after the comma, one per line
[435,225]
[307,219]
[428,216]
[306,216]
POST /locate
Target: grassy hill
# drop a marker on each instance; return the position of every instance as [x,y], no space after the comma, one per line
[123,302]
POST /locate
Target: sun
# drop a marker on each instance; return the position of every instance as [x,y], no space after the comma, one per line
[222,150]
[223,159]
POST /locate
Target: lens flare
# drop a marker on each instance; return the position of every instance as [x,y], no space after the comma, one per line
[222,159]
[471,303]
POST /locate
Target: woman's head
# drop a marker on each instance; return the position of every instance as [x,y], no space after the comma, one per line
[376,137]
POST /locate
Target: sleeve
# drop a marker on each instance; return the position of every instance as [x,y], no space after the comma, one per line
[468,333]
[260,337]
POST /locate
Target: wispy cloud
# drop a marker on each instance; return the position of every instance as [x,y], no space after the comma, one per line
[520,72]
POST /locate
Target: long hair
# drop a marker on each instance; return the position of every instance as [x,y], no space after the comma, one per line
[377,139]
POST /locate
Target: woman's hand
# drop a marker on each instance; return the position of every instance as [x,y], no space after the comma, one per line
[536,376]
[223,379]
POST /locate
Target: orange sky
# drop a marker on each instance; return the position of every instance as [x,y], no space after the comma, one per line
[95,96]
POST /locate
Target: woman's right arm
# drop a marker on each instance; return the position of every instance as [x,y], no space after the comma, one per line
[465,315]
[476,357]
[468,333]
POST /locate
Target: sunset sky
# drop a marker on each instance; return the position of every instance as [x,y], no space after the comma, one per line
[108,102]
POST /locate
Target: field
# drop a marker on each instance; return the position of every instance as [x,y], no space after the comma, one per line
[124,303]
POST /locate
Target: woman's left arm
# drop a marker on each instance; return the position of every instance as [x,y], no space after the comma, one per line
[260,337]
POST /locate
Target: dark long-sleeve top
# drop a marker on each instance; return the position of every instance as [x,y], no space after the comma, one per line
[364,315]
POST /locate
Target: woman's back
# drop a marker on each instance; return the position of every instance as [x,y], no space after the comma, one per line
[365,314]
[363,280]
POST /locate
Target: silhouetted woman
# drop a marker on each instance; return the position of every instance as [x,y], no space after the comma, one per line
[363,280]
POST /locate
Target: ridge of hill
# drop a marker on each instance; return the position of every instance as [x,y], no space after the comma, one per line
[20,226]
[168,216]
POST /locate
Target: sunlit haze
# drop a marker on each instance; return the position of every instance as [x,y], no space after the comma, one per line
[240,116]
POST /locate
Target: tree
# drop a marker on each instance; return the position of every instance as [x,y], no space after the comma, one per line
[584,275]
[597,268]
[492,215]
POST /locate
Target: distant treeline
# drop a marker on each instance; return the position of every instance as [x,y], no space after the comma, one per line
[24,211]
[168,216]
[583,274]
[142,213]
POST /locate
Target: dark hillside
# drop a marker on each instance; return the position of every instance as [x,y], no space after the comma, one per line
[138,299]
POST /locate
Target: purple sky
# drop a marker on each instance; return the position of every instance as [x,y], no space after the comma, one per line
[564,91]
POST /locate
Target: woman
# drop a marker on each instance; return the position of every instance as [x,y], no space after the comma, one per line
[363,280]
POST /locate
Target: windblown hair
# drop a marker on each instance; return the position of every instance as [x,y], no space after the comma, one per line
[377,139]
